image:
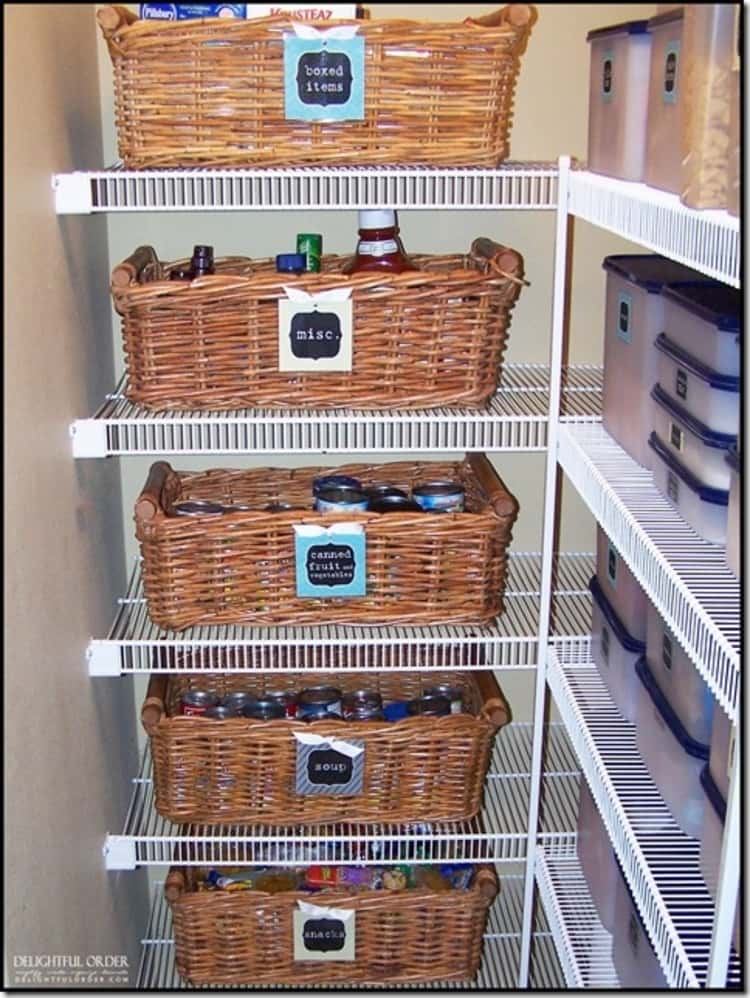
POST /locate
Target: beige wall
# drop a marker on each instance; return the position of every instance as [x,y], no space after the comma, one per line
[70,740]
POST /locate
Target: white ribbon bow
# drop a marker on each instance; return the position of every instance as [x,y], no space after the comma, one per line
[337,744]
[318,911]
[310,33]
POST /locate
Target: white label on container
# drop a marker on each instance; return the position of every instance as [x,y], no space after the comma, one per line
[315,332]
[671,71]
[323,933]
[605,644]
[675,436]
[608,75]
[681,383]
[666,651]
[673,487]
[612,565]
[624,317]
[377,247]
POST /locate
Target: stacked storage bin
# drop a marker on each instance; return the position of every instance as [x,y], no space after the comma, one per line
[633,956]
[596,857]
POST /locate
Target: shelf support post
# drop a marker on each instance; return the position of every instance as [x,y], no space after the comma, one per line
[729,876]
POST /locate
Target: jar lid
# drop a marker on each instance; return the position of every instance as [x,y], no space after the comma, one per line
[287,262]
[377,218]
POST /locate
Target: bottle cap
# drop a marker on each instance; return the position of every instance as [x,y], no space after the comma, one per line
[379,218]
[289,262]
[203,252]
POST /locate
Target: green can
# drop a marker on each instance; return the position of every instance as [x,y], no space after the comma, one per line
[311,244]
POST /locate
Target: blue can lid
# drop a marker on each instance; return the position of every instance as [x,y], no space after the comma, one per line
[733,458]
[649,270]
[722,382]
[291,261]
[628,642]
[722,441]
[624,28]
[719,497]
[715,303]
[713,793]
[696,749]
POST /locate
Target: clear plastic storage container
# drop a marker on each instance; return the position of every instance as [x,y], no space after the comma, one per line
[703,508]
[699,449]
[672,757]
[734,509]
[709,47]
[618,99]
[618,584]
[704,320]
[712,398]
[615,653]
[596,858]
[663,165]
[634,317]
[679,680]
[633,956]
[712,834]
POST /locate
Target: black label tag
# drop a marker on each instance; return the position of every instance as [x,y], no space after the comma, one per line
[605,644]
[670,72]
[315,335]
[666,651]
[681,383]
[673,487]
[330,565]
[324,935]
[607,76]
[324,78]
[675,436]
[329,768]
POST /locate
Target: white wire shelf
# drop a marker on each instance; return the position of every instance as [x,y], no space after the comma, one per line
[707,240]
[498,970]
[660,862]
[512,185]
[685,577]
[497,834]
[136,645]
[515,419]
[584,947]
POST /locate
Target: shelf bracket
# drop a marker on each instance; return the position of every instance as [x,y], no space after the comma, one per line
[89,438]
[119,852]
[72,193]
[103,658]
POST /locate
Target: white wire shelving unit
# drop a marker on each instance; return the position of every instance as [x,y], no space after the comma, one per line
[136,645]
[660,862]
[497,834]
[498,970]
[583,945]
[515,419]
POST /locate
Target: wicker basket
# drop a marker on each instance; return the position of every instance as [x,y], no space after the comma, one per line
[211,93]
[423,338]
[421,568]
[410,936]
[241,771]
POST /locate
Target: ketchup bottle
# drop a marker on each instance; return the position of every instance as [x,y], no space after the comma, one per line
[379,247]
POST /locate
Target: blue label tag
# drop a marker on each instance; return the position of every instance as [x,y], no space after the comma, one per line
[324,78]
[330,562]
[624,317]
[671,71]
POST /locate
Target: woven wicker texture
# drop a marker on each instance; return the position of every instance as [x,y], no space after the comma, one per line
[243,771]
[422,338]
[211,93]
[422,568]
[401,936]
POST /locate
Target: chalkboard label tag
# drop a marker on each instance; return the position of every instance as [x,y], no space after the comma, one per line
[328,766]
[324,933]
[315,331]
[330,562]
[324,75]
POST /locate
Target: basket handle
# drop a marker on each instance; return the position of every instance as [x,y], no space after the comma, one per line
[154,706]
[175,884]
[486,880]
[494,705]
[517,14]
[502,260]
[130,270]
[501,501]
[111,19]
[148,503]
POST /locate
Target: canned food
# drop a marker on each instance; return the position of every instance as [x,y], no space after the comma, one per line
[264,709]
[281,507]
[237,701]
[434,706]
[341,499]
[314,697]
[195,703]
[197,507]
[365,712]
[287,699]
[335,482]
[321,714]
[443,497]
[311,244]
[360,699]
[219,713]
[394,504]
[378,491]
[453,694]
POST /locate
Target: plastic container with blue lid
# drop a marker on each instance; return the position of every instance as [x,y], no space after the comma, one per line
[678,678]
[702,507]
[712,834]
[615,653]
[618,584]
[672,757]
[699,449]
[734,533]
[618,99]
[634,317]
[596,858]
[704,319]
[712,398]
[666,103]
[633,956]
